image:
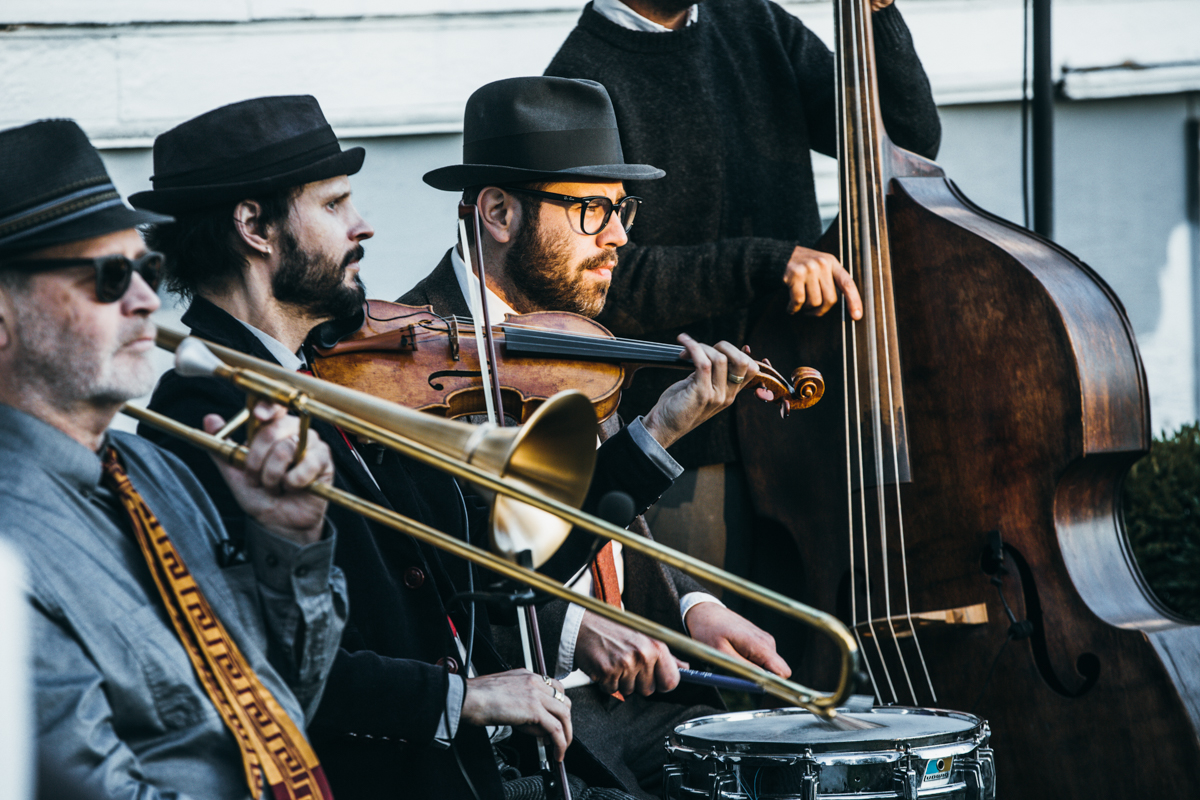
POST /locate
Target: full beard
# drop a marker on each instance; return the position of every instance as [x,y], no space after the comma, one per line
[314,283]
[543,274]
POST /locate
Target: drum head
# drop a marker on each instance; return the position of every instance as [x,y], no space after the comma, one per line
[794,730]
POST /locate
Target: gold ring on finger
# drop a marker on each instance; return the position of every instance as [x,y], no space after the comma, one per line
[560,696]
[548,681]
[736,379]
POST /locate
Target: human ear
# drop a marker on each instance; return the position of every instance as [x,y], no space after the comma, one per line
[7,319]
[499,214]
[247,219]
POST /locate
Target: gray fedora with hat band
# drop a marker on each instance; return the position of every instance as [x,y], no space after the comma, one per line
[237,151]
[528,129]
[54,189]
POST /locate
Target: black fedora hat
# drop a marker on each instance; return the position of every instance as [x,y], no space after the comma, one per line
[242,149]
[528,129]
[54,189]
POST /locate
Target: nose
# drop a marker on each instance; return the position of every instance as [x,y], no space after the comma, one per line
[139,297]
[613,233]
[360,229]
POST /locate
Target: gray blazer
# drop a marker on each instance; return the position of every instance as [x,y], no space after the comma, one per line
[119,707]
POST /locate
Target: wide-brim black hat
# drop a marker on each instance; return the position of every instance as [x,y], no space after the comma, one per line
[529,129]
[54,189]
[243,149]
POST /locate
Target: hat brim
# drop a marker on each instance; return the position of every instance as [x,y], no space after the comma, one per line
[457,177]
[101,223]
[189,198]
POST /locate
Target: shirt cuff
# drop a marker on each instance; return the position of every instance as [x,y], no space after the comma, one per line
[572,622]
[287,567]
[693,599]
[447,727]
[653,450]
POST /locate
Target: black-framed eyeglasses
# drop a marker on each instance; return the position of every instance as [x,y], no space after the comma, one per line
[594,211]
[113,272]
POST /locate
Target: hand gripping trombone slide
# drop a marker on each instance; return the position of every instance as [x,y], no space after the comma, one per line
[546,463]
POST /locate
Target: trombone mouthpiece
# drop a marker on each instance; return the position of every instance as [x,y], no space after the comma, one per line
[194,360]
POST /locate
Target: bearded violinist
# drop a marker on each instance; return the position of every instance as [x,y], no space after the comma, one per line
[543,162]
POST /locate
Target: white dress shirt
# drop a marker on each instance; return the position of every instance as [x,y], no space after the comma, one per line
[626,17]
[582,582]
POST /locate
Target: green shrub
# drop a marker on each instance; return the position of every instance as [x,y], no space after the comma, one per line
[1162,519]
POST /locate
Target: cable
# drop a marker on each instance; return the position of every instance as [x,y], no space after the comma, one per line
[462,501]
[470,638]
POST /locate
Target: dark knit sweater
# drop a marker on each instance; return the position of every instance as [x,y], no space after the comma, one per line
[729,107]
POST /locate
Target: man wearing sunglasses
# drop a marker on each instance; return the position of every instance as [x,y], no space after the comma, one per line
[153,648]
[542,161]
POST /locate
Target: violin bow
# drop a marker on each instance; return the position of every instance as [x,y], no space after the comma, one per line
[531,640]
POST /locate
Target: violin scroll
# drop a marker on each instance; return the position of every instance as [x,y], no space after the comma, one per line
[803,391]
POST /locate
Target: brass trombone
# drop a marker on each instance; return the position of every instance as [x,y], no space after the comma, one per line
[546,463]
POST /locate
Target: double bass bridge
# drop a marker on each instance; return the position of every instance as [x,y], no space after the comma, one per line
[904,624]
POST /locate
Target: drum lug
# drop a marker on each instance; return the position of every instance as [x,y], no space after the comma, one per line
[979,769]
[672,780]
[721,783]
[811,780]
[907,778]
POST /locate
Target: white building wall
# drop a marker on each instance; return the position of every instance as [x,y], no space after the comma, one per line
[393,75]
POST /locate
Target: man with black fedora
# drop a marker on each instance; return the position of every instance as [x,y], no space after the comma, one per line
[163,666]
[266,244]
[543,163]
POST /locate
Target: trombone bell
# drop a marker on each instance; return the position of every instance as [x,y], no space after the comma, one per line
[553,453]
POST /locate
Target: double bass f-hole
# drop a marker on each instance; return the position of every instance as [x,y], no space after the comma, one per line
[998,553]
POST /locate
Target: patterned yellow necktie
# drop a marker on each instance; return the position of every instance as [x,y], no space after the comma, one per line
[273,748]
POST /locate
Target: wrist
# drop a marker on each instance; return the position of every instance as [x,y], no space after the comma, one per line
[662,433]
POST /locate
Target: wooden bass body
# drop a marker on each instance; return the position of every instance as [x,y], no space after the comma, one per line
[1025,403]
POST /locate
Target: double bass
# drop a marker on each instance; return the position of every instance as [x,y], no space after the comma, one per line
[965,521]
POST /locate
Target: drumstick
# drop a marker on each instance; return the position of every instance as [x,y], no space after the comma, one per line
[719,681]
[855,703]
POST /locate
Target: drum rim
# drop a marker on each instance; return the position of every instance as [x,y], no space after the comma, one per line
[679,741]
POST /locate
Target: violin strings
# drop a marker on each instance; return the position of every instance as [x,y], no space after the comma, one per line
[650,350]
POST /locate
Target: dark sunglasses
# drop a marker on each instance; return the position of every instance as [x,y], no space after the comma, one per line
[113,273]
[594,211]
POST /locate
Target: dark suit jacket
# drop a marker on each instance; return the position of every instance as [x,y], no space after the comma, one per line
[651,589]
[386,692]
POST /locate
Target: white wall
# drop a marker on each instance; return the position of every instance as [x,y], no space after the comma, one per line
[393,75]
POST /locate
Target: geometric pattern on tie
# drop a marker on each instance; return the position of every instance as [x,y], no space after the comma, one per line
[274,750]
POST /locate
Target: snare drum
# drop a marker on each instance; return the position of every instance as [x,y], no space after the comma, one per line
[788,754]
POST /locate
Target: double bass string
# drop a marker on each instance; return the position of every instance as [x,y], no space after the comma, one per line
[879,229]
[850,354]
[873,295]
[879,232]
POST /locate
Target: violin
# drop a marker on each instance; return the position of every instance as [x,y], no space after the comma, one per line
[422,360]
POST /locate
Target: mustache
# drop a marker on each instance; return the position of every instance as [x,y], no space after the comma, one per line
[356,254]
[599,261]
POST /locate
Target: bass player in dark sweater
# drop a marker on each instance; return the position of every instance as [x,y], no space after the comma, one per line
[728,97]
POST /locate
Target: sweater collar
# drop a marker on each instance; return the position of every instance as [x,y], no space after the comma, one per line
[631,41]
